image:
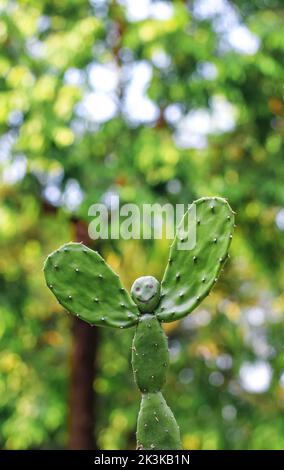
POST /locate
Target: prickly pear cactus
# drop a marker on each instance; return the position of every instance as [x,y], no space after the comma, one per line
[87,287]
[156,427]
[191,274]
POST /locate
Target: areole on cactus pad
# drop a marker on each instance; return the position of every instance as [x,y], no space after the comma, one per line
[87,287]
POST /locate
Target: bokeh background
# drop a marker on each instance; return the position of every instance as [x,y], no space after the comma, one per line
[155,101]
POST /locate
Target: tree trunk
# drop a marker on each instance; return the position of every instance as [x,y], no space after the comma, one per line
[82,399]
[82,396]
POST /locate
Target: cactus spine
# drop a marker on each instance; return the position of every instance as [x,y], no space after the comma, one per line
[87,287]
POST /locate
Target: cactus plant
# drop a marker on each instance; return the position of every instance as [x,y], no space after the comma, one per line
[87,287]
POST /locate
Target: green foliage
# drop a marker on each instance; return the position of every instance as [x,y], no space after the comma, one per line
[41,128]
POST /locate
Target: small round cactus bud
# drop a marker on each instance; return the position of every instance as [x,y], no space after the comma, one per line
[145,292]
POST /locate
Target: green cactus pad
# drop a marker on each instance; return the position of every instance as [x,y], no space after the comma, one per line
[87,287]
[157,428]
[150,356]
[190,274]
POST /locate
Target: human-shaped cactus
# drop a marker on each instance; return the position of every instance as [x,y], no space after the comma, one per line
[87,287]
